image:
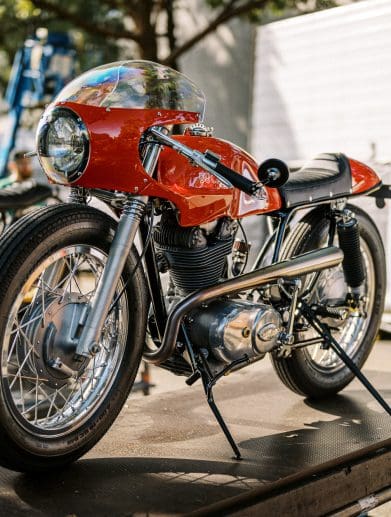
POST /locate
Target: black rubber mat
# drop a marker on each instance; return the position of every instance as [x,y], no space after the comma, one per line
[165,455]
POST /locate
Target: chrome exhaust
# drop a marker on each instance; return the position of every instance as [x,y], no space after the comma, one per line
[310,262]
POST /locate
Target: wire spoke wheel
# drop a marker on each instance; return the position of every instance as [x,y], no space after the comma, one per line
[331,285]
[54,404]
[314,371]
[42,398]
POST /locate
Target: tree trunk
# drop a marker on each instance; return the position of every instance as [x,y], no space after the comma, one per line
[148,38]
[170,8]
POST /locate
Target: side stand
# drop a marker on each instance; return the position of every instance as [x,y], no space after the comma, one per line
[208,382]
[201,369]
[324,331]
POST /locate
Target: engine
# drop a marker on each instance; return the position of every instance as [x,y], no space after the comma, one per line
[196,258]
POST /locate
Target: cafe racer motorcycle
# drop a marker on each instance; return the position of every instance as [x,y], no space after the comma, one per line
[81,304]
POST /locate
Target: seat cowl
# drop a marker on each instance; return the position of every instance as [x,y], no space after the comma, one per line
[327,176]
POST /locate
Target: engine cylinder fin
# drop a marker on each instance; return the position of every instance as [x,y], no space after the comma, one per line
[196,268]
[168,233]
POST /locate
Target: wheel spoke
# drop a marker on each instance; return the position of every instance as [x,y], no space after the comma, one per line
[349,335]
[73,273]
[21,393]
[52,404]
[36,402]
[20,368]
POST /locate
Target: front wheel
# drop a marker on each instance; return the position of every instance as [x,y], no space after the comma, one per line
[314,371]
[50,264]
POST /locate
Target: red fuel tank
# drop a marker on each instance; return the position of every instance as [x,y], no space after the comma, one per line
[204,197]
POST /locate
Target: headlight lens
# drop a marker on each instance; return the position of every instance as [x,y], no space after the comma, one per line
[63,145]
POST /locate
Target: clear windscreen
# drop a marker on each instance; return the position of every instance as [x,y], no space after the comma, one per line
[135,85]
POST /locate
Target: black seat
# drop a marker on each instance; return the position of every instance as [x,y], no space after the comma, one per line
[23,195]
[327,176]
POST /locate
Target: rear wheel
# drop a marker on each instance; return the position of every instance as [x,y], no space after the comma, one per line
[53,408]
[313,371]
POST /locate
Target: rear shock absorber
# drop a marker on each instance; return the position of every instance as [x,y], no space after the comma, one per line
[349,242]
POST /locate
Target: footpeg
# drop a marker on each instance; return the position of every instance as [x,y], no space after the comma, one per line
[333,316]
[193,378]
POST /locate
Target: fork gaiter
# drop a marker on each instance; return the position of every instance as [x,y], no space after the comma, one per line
[349,242]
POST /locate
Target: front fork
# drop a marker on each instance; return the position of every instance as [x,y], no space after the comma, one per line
[128,225]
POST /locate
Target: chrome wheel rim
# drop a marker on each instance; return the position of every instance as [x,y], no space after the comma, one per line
[351,334]
[66,279]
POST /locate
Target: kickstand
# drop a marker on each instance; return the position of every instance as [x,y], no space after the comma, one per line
[334,345]
[208,382]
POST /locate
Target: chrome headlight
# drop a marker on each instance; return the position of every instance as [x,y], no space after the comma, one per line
[63,145]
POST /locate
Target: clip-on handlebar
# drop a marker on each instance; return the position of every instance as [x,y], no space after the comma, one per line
[271,173]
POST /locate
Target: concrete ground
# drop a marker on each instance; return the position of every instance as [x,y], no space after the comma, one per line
[165,454]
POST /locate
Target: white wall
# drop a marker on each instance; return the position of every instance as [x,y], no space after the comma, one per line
[323,83]
[222,65]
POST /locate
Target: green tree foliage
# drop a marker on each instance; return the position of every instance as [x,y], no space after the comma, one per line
[104,28]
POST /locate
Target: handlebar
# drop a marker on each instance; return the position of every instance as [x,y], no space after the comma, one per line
[249,187]
[210,162]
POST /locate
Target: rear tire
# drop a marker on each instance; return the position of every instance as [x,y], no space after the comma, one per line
[39,429]
[301,372]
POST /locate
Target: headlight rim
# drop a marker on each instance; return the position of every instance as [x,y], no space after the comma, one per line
[55,175]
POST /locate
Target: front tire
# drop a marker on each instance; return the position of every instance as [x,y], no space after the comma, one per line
[50,263]
[320,373]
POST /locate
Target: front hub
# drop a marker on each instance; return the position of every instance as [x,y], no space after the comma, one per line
[55,335]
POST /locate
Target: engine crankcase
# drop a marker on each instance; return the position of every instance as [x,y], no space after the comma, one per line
[231,329]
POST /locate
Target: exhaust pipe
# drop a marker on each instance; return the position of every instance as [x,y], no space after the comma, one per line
[310,262]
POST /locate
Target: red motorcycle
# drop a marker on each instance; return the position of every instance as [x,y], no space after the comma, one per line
[81,305]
